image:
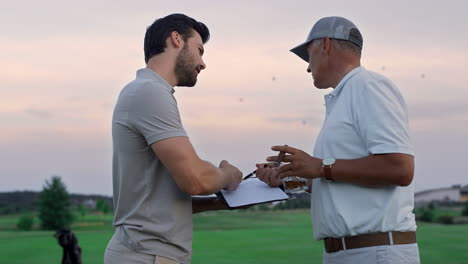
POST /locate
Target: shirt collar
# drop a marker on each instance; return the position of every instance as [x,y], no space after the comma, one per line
[146,73]
[348,76]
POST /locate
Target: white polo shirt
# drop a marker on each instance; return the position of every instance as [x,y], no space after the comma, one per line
[365,114]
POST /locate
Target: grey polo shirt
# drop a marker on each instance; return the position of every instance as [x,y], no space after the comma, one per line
[152,215]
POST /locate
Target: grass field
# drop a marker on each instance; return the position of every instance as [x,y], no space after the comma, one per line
[225,237]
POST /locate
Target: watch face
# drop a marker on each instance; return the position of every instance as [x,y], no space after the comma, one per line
[328,161]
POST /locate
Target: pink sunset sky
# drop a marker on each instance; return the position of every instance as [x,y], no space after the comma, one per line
[63,64]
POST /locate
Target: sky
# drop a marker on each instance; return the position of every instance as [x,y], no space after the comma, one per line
[63,64]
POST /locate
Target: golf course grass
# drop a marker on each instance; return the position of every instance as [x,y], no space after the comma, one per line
[225,237]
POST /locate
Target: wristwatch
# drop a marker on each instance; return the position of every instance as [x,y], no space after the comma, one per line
[327,165]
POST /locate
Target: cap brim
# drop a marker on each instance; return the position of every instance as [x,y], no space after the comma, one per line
[301,51]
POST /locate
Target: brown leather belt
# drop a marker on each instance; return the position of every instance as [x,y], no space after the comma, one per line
[369,240]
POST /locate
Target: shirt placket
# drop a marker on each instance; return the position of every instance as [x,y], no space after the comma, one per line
[329,104]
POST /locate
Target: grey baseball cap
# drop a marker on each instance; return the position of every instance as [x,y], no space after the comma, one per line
[332,27]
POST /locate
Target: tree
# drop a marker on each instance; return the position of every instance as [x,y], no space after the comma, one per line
[82,210]
[55,210]
[465,209]
[445,219]
[102,206]
[424,214]
[25,222]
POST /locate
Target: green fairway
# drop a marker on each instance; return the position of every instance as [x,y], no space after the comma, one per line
[225,237]
[443,243]
[255,237]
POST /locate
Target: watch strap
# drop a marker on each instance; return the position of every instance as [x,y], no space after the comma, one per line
[327,172]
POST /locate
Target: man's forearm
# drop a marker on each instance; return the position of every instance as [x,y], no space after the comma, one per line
[202,204]
[376,170]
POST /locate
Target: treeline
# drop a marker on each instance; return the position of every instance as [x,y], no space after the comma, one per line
[300,201]
[54,207]
[26,201]
[18,202]
[443,213]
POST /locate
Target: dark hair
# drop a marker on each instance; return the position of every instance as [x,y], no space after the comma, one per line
[161,29]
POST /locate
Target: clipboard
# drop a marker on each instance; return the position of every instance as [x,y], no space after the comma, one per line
[250,192]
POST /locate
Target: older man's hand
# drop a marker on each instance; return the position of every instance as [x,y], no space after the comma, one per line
[269,174]
[299,164]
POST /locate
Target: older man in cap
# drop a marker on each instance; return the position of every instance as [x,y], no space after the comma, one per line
[362,167]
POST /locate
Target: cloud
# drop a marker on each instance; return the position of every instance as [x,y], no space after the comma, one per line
[61,76]
[438,110]
[432,116]
[314,121]
[39,113]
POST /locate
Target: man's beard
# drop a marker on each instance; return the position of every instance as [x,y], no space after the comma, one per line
[185,70]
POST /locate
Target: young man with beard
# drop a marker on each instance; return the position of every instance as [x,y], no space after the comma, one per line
[155,167]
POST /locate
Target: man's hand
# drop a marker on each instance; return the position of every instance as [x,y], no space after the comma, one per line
[234,173]
[300,163]
[269,174]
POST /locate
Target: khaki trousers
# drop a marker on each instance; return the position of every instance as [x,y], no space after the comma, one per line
[117,253]
[390,254]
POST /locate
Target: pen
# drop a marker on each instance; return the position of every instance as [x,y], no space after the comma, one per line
[276,163]
[253,172]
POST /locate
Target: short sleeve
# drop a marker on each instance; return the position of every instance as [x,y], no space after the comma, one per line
[154,113]
[381,118]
